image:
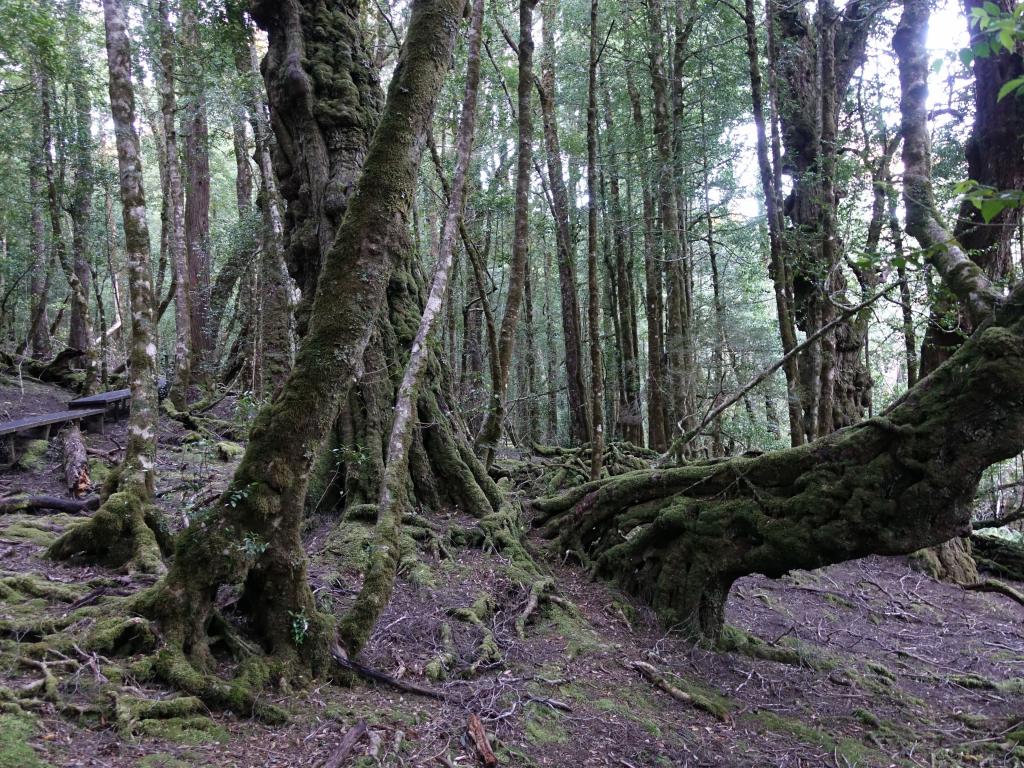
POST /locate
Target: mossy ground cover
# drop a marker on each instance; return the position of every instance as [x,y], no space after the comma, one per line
[888,667]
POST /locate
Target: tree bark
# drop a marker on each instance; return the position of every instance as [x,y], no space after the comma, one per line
[579,417]
[656,421]
[491,431]
[267,493]
[174,201]
[593,292]
[197,199]
[123,530]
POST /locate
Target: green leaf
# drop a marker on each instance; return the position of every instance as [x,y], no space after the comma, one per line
[1006,38]
[1009,87]
[966,56]
[991,208]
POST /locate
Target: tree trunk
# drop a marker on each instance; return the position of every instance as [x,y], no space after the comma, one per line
[593,292]
[197,200]
[175,205]
[657,428]
[80,204]
[267,493]
[38,337]
[491,431]
[123,530]
[579,417]
[815,59]
[631,415]
[678,351]
[777,268]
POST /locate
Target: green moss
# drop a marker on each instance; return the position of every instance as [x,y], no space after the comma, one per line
[99,471]
[28,532]
[37,586]
[196,729]
[852,751]
[867,717]
[789,650]
[16,730]
[544,726]
[34,454]
[228,450]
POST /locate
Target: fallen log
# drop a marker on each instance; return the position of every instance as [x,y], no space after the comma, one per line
[22,503]
[480,741]
[348,742]
[76,462]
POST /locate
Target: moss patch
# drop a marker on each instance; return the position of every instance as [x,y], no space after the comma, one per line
[34,455]
[543,726]
[15,751]
[854,752]
[196,729]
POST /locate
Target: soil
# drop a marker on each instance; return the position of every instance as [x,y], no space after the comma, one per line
[874,663]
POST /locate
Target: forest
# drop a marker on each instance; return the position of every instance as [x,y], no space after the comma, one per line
[535,383]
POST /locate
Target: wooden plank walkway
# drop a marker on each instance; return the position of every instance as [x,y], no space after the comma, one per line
[41,424]
[27,423]
[116,397]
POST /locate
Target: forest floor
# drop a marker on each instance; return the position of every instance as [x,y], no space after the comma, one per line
[868,663]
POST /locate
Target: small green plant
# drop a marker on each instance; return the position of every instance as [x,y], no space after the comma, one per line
[237,495]
[253,545]
[353,456]
[300,627]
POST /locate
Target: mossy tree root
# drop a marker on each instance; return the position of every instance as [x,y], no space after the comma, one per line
[126,531]
[679,537]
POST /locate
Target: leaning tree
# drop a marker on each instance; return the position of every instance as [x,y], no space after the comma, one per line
[251,538]
[679,537]
[325,104]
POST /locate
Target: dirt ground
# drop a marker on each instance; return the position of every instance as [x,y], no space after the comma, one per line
[868,663]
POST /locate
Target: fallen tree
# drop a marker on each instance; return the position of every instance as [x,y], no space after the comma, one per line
[679,537]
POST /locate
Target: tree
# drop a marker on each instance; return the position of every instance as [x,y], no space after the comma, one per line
[124,529]
[265,501]
[680,536]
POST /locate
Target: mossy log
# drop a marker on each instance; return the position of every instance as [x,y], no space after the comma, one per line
[679,537]
[1000,556]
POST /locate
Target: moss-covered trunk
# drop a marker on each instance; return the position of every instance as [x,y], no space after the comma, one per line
[252,536]
[679,537]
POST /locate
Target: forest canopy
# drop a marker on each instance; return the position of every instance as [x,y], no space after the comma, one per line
[313,312]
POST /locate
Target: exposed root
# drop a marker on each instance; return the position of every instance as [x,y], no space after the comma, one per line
[692,697]
[999,587]
[122,533]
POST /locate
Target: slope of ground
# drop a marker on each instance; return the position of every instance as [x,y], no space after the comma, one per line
[863,664]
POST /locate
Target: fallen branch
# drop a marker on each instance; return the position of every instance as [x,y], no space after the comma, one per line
[380,677]
[479,736]
[998,522]
[14,504]
[660,681]
[714,413]
[348,742]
